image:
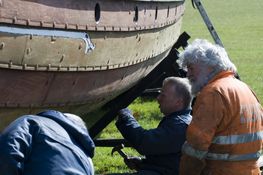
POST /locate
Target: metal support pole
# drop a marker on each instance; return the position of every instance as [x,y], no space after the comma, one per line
[207,21]
[209,25]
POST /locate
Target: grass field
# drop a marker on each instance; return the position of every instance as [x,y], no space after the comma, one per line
[239,24]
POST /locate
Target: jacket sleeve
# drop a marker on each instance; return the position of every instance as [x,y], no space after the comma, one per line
[195,168]
[15,146]
[208,113]
[165,139]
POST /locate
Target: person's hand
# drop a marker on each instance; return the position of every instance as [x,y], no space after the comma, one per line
[133,162]
[124,114]
[125,111]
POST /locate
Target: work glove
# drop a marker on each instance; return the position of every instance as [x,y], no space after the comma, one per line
[124,114]
[133,163]
[125,111]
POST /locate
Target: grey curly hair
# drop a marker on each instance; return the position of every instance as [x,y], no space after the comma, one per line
[206,54]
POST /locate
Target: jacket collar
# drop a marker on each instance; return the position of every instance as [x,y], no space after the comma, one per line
[183,115]
[221,75]
[181,112]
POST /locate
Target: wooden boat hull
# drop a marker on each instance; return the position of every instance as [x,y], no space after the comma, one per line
[69,58]
[29,92]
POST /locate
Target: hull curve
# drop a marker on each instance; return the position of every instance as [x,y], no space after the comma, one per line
[75,56]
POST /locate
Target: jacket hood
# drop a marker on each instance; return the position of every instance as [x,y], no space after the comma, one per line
[80,134]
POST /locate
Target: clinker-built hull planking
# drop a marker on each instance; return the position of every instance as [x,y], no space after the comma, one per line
[75,56]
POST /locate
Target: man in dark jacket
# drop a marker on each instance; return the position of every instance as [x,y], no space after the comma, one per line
[47,143]
[162,145]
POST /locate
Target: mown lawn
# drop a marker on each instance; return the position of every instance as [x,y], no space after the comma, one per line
[239,24]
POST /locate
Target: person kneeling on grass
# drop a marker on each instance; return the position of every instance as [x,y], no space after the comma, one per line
[160,146]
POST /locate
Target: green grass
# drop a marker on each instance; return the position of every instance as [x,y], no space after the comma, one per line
[239,24]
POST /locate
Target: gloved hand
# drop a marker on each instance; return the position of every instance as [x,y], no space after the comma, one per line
[133,162]
[125,111]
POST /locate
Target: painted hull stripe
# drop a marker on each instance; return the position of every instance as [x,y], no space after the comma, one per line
[50,33]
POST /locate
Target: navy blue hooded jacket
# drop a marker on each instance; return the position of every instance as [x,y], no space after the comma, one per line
[162,145]
[46,143]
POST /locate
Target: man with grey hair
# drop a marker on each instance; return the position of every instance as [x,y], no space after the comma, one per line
[225,135]
[161,146]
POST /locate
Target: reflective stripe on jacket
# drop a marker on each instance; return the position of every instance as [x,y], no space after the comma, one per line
[226,125]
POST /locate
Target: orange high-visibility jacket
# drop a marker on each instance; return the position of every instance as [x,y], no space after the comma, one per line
[226,130]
